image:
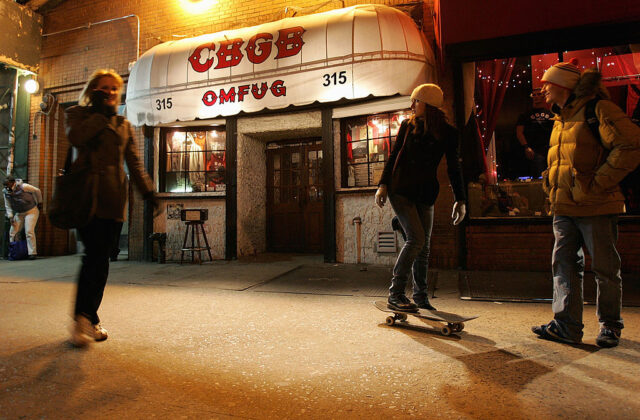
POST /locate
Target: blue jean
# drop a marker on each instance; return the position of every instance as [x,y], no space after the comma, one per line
[417,221]
[598,234]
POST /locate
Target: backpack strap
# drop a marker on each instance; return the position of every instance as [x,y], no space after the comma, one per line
[591,118]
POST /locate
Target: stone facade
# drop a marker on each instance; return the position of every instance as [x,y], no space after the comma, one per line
[175,229]
[253,135]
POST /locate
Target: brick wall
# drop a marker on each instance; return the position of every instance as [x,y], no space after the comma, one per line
[528,247]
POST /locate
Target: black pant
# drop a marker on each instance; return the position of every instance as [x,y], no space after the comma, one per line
[97,238]
[115,245]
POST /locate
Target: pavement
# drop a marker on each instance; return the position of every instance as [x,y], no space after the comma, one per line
[281,336]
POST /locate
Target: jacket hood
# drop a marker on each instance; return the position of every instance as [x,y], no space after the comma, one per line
[590,84]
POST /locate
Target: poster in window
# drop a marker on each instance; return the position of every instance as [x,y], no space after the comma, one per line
[215,140]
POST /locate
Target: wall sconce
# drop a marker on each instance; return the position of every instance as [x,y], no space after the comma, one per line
[31,86]
[197,6]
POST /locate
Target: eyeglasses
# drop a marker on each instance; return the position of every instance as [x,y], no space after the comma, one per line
[536,94]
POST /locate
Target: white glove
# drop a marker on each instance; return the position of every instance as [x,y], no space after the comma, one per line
[459,211]
[381,195]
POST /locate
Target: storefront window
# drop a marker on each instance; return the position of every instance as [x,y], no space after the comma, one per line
[512,113]
[194,160]
[367,141]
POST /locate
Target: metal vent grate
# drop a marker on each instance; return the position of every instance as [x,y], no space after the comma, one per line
[387,241]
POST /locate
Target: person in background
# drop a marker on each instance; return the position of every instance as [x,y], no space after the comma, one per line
[409,179]
[22,203]
[105,140]
[582,183]
[533,130]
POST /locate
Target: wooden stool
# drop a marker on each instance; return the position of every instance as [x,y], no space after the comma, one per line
[195,233]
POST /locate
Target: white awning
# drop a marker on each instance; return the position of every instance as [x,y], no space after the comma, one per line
[348,53]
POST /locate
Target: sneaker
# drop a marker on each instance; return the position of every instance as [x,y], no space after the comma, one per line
[32,257]
[401,303]
[426,305]
[82,333]
[608,338]
[551,332]
[99,333]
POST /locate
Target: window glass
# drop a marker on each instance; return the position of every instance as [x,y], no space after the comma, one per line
[367,141]
[512,114]
[194,160]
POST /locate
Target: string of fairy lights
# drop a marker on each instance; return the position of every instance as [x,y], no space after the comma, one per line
[523,75]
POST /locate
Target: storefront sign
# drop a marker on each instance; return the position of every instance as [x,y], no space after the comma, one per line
[348,53]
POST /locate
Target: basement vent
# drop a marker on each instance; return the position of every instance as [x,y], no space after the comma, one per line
[387,241]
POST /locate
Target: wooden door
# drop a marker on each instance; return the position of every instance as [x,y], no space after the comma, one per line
[294,197]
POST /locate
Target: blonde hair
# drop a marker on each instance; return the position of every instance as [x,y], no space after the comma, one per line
[434,119]
[92,84]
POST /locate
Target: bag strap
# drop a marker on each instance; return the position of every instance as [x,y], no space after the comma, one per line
[68,160]
[592,119]
[404,143]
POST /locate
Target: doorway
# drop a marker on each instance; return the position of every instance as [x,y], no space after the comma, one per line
[295,193]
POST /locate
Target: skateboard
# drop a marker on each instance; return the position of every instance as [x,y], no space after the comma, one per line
[446,322]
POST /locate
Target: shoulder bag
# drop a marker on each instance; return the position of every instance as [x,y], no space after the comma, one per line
[75,194]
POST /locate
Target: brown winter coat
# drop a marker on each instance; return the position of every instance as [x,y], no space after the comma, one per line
[583,172]
[107,142]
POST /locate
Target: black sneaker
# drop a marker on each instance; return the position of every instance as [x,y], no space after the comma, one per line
[551,332]
[426,305]
[401,303]
[608,338]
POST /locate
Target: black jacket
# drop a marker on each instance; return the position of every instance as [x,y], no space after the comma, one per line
[108,143]
[415,174]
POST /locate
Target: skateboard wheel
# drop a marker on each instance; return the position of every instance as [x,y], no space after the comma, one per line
[391,320]
[402,317]
[446,331]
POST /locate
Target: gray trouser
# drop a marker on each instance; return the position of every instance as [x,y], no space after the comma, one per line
[417,221]
[29,219]
[598,234]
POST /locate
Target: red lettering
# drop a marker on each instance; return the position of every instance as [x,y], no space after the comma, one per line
[228,96]
[264,48]
[209,98]
[278,88]
[195,58]
[229,53]
[289,41]
[242,91]
[259,93]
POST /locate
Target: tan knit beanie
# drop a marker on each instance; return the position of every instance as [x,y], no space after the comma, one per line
[429,94]
[565,75]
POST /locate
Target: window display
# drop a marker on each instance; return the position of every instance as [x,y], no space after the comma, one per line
[367,142]
[514,124]
[194,160]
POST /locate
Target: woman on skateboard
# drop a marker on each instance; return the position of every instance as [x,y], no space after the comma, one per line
[410,181]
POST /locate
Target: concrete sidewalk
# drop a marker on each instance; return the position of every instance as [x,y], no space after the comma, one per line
[290,337]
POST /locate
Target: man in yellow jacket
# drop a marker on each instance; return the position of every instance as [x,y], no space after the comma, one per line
[581,179]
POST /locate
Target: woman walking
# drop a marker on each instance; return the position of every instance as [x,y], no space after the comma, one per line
[105,141]
[410,181]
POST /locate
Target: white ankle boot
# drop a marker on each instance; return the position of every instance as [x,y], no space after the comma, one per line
[82,333]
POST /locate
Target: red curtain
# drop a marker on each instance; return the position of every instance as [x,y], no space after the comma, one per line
[493,76]
[540,64]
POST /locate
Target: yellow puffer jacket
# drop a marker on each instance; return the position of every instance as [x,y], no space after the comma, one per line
[583,172]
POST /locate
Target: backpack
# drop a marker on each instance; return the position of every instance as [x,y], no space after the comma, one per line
[630,184]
